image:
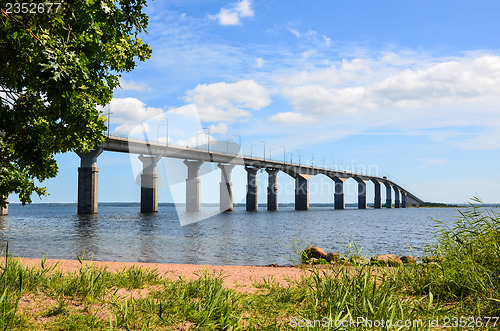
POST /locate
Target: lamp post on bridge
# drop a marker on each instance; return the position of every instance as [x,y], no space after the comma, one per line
[284,154]
[239,143]
[158,135]
[262,141]
[109,118]
[208,139]
[312,159]
[297,150]
[251,150]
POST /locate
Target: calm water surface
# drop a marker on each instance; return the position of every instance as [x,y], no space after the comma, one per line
[120,233]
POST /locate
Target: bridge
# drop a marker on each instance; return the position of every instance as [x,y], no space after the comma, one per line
[151,153]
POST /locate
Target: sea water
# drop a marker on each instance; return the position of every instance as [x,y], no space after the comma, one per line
[119,232]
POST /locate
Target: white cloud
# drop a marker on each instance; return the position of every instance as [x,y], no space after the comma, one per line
[452,83]
[347,72]
[392,59]
[198,140]
[228,17]
[307,54]
[135,129]
[246,93]
[132,110]
[244,8]
[294,32]
[224,101]
[219,128]
[188,111]
[211,114]
[132,85]
[448,83]
[291,117]
[233,15]
[318,100]
[327,40]
[487,139]
[259,62]
[400,92]
[311,34]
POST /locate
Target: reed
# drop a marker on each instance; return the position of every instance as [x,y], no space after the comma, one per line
[467,273]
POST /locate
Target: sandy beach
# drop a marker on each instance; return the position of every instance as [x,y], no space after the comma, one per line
[241,278]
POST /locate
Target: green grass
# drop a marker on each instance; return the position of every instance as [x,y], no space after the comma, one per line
[464,283]
[469,272]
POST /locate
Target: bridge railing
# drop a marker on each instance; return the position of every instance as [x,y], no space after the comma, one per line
[272,159]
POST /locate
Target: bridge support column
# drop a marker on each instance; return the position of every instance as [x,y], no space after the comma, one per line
[149,184]
[272,189]
[388,193]
[397,203]
[403,199]
[410,201]
[5,210]
[338,197]
[88,178]
[361,193]
[378,200]
[302,192]
[252,189]
[193,184]
[226,187]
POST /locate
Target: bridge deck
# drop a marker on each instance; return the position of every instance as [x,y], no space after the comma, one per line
[121,145]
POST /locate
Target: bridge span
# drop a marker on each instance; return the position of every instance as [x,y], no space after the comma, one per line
[151,153]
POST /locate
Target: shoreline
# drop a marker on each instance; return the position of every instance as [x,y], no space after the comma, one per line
[239,277]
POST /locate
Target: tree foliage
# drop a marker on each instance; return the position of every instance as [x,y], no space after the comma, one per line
[56,69]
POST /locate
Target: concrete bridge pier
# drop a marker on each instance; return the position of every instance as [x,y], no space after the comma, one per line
[397,203]
[149,184]
[5,210]
[411,202]
[88,178]
[272,189]
[361,193]
[302,192]
[378,199]
[252,189]
[388,193]
[338,197]
[226,187]
[193,184]
[403,199]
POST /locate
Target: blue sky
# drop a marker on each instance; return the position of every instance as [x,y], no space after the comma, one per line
[409,89]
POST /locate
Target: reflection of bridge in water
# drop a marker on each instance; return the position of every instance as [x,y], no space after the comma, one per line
[151,153]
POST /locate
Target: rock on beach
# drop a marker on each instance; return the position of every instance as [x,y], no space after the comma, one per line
[408,259]
[386,259]
[315,252]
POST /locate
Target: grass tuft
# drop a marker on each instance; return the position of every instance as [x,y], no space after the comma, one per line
[462,279]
